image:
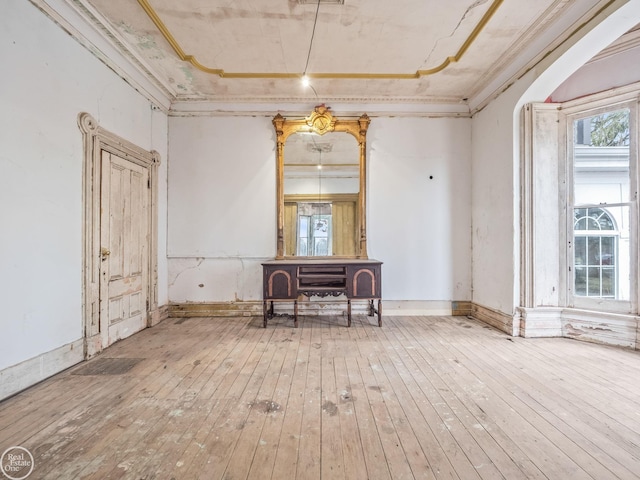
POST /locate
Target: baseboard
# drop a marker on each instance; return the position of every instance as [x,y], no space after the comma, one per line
[509,324]
[215,309]
[319,307]
[158,315]
[461,308]
[622,330]
[601,327]
[540,322]
[427,307]
[25,374]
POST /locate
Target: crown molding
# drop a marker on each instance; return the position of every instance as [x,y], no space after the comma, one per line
[89,28]
[299,108]
[452,102]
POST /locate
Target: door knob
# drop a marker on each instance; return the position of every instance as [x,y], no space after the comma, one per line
[105,252]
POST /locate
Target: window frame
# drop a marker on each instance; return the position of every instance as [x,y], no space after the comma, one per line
[589,235]
[569,113]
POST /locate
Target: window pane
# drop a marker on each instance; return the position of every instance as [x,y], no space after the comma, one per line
[321,247]
[601,158]
[580,244]
[608,282]
[593,250]
[593,287]
[592,224]
[604,221]
[580,281]
[607,251]
[302,247]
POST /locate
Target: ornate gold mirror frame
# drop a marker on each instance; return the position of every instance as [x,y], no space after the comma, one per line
[322,121]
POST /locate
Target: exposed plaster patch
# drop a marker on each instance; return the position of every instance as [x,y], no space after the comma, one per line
[147,47]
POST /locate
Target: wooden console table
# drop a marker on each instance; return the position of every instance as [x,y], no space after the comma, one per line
[288,280]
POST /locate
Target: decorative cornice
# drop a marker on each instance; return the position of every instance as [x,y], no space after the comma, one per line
[297,113]
[300,107]
[168,36]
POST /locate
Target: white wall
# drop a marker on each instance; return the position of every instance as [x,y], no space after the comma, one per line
[495,204]
[48,79]
[419,199]
[222,207]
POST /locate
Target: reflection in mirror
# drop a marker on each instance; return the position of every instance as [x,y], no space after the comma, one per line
[314,229]
[321,175]
[321,170]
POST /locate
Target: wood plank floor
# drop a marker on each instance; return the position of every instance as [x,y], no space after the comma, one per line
[421,397]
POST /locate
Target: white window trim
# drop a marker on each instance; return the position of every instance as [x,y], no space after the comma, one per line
[568,113]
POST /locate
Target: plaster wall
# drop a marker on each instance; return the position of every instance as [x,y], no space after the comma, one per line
[222,207]
[52,80]
[495,204]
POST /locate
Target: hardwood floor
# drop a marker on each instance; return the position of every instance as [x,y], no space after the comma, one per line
[421,397]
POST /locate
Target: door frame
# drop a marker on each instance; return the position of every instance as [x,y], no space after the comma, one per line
[95,139]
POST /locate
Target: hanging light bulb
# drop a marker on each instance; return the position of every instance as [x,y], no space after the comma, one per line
[305,78]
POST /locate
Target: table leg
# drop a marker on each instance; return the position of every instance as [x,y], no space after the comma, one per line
[264,314]
[348,312]
[379,312]
[295,313]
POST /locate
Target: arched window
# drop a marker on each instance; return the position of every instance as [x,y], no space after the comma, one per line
[595,258]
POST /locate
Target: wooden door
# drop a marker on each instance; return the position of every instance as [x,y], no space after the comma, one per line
[124,234]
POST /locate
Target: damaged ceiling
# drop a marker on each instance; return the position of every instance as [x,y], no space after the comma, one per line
[426,51]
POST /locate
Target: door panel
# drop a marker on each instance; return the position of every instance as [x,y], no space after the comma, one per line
[124,234]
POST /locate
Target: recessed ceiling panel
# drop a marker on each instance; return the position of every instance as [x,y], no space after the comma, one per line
[360,50]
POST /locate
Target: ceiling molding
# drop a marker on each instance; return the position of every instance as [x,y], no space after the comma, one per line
[182,55]
[301,108]
[323,99]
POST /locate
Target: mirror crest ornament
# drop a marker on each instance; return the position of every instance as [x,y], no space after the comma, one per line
[320,122]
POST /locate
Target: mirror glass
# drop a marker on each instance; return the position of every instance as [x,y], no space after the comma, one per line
[321,187]
[321,194]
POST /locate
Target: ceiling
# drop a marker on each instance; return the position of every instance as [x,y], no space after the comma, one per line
[425,51]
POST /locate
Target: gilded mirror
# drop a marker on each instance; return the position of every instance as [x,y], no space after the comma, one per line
[321,185]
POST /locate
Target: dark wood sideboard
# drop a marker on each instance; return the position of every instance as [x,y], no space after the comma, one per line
[292,280]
